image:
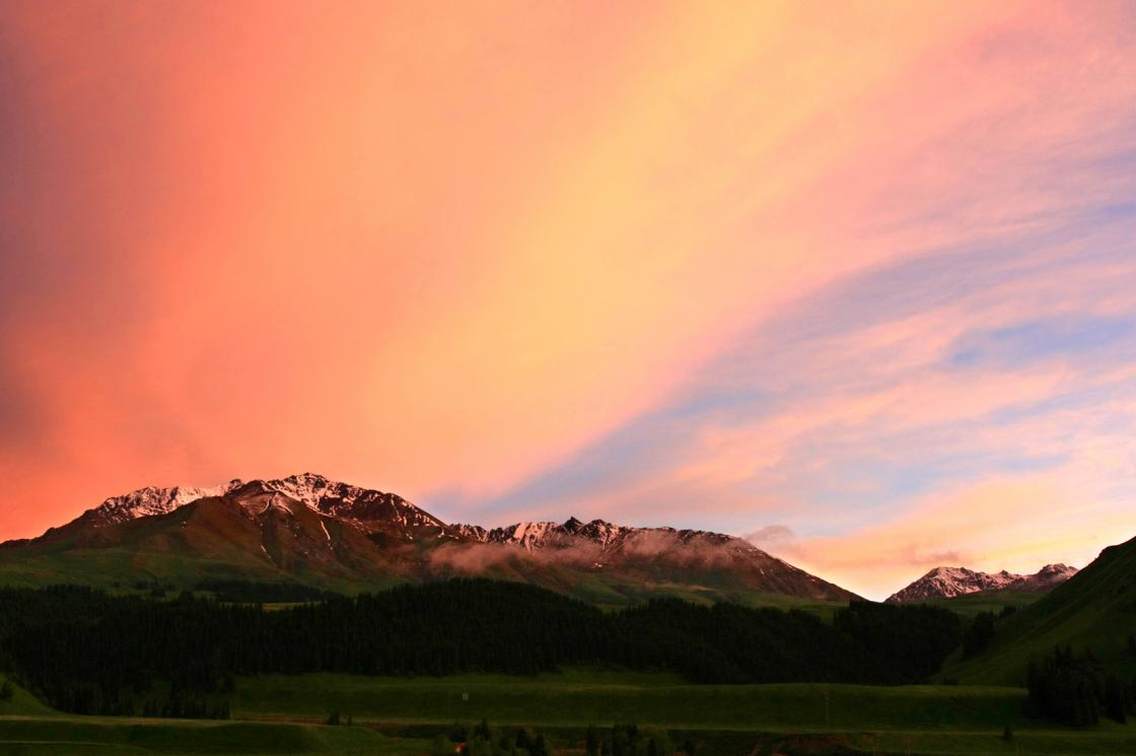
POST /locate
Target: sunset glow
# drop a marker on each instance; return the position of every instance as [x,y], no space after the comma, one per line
[858,280]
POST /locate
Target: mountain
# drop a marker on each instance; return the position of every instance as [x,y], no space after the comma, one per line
[370,511]
[321,533]
[948,582]
[1095,610]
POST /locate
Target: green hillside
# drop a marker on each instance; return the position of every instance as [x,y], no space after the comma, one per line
[204,542]
[21,703]
[1095,610]
[971,604]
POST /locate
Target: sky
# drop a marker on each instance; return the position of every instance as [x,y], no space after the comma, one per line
[856,281]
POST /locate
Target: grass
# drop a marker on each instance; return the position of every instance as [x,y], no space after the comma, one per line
[1094,610]
[987,601]
[27,726]
[788,718]
[162,560]
[283,715]
[22,703]
[105,735]
[579,698]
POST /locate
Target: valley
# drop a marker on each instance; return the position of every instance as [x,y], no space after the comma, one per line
[335,619]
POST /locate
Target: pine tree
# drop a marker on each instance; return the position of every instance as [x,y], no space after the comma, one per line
[1116,703]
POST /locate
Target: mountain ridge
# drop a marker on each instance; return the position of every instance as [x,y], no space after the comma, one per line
[310,528]
[949,582]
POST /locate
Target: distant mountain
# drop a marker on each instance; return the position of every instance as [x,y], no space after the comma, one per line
[323,533]
[948,582]
[1094,611]
[370,511]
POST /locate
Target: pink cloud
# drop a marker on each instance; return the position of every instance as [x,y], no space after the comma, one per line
[426,251]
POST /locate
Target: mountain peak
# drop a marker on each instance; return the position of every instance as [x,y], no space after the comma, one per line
[308,524]
[948,582]
[370,510]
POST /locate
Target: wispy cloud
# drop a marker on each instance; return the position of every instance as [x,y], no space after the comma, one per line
[800,265]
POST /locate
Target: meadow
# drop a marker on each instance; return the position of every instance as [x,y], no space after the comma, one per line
[286,715]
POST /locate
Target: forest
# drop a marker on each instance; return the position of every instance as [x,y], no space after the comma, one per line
[85,651]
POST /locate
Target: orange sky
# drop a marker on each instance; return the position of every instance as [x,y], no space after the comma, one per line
[464,252]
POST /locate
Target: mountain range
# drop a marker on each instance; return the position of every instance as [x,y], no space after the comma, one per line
[949,582]
[313,531]
[327,534]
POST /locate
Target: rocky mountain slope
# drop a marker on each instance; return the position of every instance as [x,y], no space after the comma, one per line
[324,533]
[948,582]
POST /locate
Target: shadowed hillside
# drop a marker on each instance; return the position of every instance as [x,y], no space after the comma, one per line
[1094,611]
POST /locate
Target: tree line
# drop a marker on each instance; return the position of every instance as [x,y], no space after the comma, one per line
[1078,690]
[84,651]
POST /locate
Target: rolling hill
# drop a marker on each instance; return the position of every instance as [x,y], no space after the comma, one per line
[310,530]
[1095,610]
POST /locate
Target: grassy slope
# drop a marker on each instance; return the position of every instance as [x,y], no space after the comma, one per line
[986,601]
[118,569]
[23,704]
[1096,609]
[201,541]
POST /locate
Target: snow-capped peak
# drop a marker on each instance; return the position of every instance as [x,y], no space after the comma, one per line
[948,582]
[153,500]
[369,509]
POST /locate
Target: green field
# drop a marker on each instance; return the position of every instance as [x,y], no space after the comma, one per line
[281,714]
[99,735]
[579,698]
[720,718]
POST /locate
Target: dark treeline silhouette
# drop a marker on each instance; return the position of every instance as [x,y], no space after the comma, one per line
[1077,690]
[88,652]
[979,634]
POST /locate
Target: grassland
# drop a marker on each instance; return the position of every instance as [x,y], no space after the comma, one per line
[721,719]
[579,698]
[279,714]
[22,703]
